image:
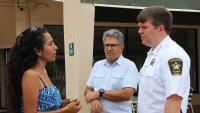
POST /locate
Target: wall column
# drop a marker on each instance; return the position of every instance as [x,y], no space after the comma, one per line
[79,30]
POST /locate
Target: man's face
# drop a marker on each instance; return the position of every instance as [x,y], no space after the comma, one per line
[112,48]
[148,33]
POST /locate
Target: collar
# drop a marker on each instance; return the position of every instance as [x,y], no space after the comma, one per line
[159,46]
[119,61]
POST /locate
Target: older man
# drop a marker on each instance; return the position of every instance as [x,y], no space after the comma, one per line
[112,81]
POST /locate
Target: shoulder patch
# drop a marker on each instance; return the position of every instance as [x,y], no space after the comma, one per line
[175,65]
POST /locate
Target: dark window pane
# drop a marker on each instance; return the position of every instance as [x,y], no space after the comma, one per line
[3,76]
[56,70]
[135,51]
[187,38]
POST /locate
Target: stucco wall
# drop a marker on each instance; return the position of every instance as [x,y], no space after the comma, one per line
[7,26]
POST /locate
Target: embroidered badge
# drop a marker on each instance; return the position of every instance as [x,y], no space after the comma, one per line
[175,65]
[152,61]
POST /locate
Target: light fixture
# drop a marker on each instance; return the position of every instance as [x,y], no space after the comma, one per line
[59,0]
[23,4]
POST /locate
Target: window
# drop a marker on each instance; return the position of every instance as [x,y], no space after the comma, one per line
[56,70]
[3,53]
[135,51]
[187,38]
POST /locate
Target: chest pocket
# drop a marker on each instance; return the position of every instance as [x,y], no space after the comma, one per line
[116,81]
[148,79]
[98,81]
[149,71]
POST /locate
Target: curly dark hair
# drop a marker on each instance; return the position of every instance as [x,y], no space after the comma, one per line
[22,57]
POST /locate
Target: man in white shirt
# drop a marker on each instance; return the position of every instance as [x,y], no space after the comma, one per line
[112,81]
[165,76]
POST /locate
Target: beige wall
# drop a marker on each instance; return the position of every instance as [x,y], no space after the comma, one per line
[40,15]
[78,28]
[7,26]
[13,21]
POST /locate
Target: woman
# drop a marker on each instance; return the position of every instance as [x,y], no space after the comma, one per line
[30,89]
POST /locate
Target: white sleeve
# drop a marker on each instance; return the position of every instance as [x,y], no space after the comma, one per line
[175,74]
[91,77]
[131,77]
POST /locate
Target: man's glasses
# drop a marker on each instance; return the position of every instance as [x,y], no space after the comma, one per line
[111,46]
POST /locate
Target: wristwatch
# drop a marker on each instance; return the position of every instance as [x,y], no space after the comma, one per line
[101,92]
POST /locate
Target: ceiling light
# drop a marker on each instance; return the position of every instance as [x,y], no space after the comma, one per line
[59,0]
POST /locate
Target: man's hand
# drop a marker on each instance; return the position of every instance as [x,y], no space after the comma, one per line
[92,96]
[95,106]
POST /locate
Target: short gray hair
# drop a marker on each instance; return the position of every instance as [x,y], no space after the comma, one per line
[115,34]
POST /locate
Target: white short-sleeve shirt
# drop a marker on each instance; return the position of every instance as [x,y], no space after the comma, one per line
[123,73]
[164,73]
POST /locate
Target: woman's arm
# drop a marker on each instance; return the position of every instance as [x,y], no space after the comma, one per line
[30,88]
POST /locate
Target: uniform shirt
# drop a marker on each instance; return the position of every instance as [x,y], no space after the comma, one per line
[164,73]
[123,73]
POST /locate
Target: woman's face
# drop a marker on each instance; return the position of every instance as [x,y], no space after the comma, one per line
[48,53]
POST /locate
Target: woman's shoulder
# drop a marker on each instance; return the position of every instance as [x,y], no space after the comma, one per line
[30,73]
[30,76]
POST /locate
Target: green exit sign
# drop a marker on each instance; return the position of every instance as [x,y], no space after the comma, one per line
[71,49]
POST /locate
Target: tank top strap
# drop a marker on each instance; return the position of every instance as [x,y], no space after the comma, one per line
[42,81]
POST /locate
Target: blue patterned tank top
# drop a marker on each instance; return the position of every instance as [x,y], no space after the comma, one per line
[48,98]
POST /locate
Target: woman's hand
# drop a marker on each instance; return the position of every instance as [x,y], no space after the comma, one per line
[65,102]
[72,106]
